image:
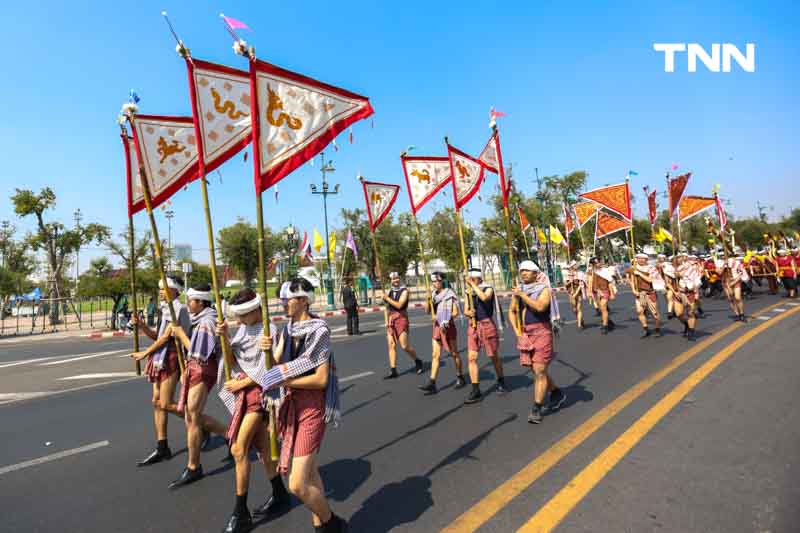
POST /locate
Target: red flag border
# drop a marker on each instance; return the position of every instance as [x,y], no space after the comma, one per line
[597,225]
[403,158]
[188,176]
[126,139]
[396,188]
[204,168]
[706,208]
[287,166]
[475,188]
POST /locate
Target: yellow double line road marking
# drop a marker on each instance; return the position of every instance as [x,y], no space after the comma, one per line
[554,511]
[491,504]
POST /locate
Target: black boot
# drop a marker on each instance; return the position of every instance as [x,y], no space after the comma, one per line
[535,416]
[659,333]
[161,453]
[334,525]
[611,325]
[188,476]
[460,382]
[475,395]
[604,330]
[501,386]
[690,335]
[277,503]
[430,388]
[418,366]
[645,333]
[392,374]
[685,329]
[742,318]
[239,523]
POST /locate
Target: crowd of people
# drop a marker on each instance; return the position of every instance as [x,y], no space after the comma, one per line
[297,394]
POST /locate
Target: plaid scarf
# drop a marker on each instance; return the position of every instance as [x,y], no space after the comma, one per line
[444,313]
[182,314]
[316,352]
[533,290]
[204,343]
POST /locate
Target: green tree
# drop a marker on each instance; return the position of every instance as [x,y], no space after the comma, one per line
[54,238]
[238,248]
[444,241]
[101,280]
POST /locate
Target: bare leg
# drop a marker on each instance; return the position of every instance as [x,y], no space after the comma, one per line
[604,311]
[472,363]
[436,352]
[406,346]
[498,366]
[457,359]
[541,380]
[306,484]
[392,351]
[196,402]
[252,423]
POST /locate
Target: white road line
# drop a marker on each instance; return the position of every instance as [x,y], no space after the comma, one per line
[762,317]
[793,304]
[100,376]
[91,356]
[778,310]
[30,395]
[30,361]
[355,376]
[14,396]
[53,457]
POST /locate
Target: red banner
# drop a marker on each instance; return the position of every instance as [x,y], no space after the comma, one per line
[523,220]
[467,173]
[584,211]
[606,225]
[690,206]
[492,160]
[616,198]
[651,205]
[379,197]
[294,117]
[676,188]
[569,223]
[723,220]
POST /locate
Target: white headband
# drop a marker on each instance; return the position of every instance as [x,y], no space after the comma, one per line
[435,277]
[394,275]
[245,307]
[529,265]
[171,283]
[475,273]
[642,256]
[193,294]
[284,294]
[300,294]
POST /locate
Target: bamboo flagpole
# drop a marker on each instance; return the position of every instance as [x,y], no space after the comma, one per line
[460,225]
[424,267]
[131,244]
[227,357]
[376,253]
[148,202]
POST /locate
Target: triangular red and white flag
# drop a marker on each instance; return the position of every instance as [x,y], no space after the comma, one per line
[167,152]
[379,197]
[492,159]
[294,118]
[584,211]
[723,219]
[467,174]
[690,206]
[569,223]
[221,107]
[133,183]
[676,188]
[425,176]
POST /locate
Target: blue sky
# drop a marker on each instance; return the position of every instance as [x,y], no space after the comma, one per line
[580,82]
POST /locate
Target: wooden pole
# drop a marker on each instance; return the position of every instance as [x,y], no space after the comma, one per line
[424,267]
[512,265]
[132,267]
[148,202]
[460,225]
[379,273]
[262,282]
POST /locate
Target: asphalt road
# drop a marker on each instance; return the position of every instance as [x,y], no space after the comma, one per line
[656,435]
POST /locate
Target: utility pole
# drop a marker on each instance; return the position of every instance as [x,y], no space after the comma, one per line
[762,215]
[325,168]
[169,214]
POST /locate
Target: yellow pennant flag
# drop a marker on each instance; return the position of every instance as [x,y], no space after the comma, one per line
[555,235]
[318,241]
[541,235]
[663,235]
[332,247]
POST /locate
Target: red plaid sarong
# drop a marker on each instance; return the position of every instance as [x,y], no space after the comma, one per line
[485,335]
[247,401]
[198,372]
[536,344]
[301,423]
[398,324]
[450,334]
[169,367]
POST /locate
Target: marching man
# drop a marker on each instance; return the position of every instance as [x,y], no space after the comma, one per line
[445,335]
[242,396]
[162,366]
[481,333]
[732,275]
[643,279]
[603,289]
[688,279]
[787,271]
[397,328]
[575,283]
[202,354]
[530,315]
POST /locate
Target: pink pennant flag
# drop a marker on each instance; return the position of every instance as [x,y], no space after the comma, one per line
[674,166]
[496,114]
[351,243]
[235,24]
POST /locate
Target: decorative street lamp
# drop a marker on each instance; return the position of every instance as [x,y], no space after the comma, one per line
[169,214]
[325,169]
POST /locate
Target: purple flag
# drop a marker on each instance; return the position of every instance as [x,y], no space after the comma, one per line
[351,244]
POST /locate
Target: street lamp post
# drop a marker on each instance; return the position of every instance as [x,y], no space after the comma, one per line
[542,196]
[78,217]
[291,244]
[169,214]
[325,169]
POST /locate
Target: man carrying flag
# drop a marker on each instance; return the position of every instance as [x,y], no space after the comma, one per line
[445,311]
[603,288]
[397,327]
[481,333]
[643,279]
